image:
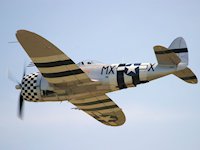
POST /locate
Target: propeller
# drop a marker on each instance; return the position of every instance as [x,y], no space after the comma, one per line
[18,87]
[21,103]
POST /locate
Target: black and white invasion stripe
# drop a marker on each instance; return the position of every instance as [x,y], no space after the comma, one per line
[57,71]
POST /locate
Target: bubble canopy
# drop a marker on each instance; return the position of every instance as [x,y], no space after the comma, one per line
[89,62]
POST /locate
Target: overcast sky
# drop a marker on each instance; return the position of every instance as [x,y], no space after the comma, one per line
[163,114]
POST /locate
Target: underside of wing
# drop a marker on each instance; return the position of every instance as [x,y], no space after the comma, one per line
[102,108]
[55,66]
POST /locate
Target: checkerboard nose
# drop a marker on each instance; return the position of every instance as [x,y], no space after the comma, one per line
[29,89]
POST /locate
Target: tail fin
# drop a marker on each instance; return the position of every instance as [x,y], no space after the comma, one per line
[176,55]
[179,47]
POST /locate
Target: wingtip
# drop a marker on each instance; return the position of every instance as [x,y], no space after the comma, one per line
[23,34]
[22,31]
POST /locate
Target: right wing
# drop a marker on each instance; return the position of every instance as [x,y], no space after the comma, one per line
[101,108]
[54,65]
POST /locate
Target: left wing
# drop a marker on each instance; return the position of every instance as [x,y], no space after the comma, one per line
[102,108]
[55,66]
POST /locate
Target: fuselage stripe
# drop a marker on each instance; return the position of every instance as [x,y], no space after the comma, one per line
[120,78]
[133,81]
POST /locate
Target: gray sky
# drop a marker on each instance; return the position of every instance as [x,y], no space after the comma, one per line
[163,114]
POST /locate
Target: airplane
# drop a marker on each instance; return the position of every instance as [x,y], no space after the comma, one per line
[85,84]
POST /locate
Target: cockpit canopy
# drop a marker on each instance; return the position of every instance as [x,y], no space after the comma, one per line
[88,62]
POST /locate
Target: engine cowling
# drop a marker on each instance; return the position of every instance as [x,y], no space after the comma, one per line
[30,87]
[35,88]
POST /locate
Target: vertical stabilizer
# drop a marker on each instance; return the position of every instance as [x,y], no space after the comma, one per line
[179,47]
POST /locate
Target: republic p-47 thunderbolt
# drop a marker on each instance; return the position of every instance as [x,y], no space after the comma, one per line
[85,84]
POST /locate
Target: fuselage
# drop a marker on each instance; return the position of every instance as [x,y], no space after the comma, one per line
[120,76]
[106,78]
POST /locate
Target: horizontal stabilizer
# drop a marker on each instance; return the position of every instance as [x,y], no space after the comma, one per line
[165,56]
[187,75]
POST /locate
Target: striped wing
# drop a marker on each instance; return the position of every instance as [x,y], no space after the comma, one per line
[102,108]
[55,66]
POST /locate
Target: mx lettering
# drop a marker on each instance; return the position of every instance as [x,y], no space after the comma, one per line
[108,69]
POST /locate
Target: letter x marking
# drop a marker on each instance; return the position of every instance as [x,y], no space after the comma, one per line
[151,67]
[111,70]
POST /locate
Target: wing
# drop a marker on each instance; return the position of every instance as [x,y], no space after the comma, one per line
[102,108]
[166,56]
[55,66]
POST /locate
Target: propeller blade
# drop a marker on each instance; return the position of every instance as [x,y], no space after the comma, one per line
[21,102]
